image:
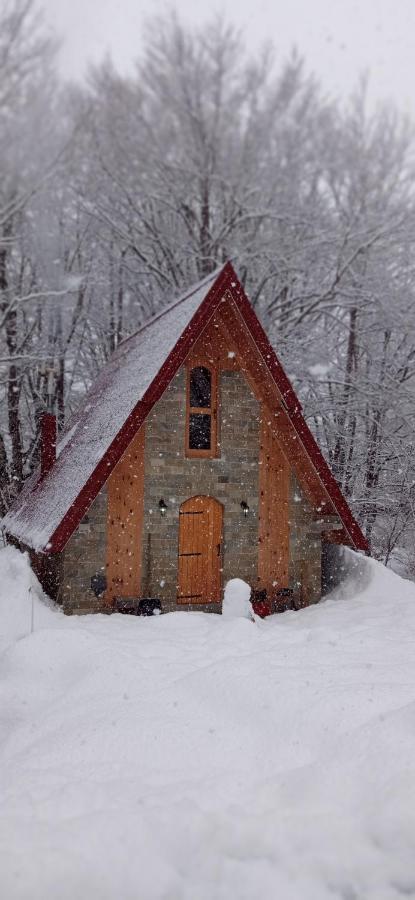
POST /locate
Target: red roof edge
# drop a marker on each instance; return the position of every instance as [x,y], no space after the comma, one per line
[295,413]
[140,412]
[227,279]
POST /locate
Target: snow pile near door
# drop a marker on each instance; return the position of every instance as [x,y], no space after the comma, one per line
[191,757]
[237,600]
[22,603]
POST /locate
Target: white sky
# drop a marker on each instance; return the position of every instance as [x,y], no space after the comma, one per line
[339,38]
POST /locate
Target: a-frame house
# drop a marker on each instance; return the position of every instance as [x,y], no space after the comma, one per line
[188,463]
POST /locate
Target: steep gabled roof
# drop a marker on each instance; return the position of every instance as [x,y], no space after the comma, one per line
[48,510]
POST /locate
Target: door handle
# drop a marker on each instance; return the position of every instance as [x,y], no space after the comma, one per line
[218,549]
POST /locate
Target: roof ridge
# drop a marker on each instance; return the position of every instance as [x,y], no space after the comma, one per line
[150,362]
[74,419]
[195,287]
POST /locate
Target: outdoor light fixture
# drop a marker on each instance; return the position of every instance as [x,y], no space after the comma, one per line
[162,507]
[244,507]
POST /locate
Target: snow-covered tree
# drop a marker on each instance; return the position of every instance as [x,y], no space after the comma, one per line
[116,194]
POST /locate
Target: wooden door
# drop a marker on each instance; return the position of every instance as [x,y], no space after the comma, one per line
[200,551]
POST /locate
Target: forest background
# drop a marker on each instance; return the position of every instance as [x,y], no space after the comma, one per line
[117,193]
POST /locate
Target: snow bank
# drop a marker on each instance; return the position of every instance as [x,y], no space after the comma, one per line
[22,602]
[193,756]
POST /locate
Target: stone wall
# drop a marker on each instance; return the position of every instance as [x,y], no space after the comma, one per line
[231,478]
[305,548]
[83,557]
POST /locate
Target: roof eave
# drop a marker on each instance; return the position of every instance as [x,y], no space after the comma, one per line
[226,280]
[140,412]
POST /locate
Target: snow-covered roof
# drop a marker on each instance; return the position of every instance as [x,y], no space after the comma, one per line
[49,509]
[121,384]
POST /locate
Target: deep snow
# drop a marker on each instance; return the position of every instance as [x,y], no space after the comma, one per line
[192,757]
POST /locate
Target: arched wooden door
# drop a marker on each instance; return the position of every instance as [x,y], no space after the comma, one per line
[200,551]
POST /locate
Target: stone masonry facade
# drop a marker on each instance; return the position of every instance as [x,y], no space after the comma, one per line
[83,557]
[230,479]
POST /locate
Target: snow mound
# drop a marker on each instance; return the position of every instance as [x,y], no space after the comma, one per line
[22,601]
[187,756]
[237,600]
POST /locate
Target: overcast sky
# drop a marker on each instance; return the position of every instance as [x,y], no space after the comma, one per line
[339,38]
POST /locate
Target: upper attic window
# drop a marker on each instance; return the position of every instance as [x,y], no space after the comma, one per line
[201,412]
[200,387]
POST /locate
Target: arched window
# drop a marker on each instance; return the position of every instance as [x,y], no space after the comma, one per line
[201,412]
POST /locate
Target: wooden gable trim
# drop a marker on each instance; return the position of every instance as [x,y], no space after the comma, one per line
[301,428]
[272,406]
[215,346]
[140,412]
[213,350]
[227,333]
[226,281]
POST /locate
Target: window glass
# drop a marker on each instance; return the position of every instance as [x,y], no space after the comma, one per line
[199,431]
[200,387]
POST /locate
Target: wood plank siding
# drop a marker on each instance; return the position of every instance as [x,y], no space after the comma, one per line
[262,384]
[125,522]
[274,532]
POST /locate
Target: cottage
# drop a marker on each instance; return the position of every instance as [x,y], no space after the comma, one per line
[189,463]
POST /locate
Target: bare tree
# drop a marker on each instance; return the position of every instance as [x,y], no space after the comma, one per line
[201,156]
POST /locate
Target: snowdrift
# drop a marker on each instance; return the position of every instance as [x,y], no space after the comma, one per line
[23,605]
[194,757]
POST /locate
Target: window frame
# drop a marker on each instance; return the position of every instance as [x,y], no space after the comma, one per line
[212,411]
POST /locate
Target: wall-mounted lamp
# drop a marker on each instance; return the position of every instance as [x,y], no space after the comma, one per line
[244,507]
[162,507]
